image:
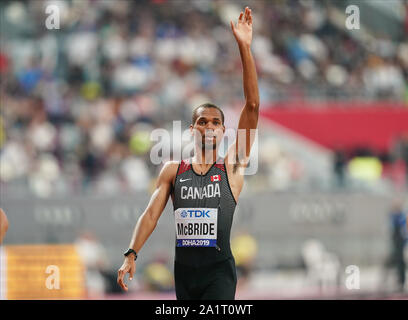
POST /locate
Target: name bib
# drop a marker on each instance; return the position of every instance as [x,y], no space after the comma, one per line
[196,227]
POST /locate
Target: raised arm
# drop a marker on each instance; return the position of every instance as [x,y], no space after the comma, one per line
[248,120]
[148,220]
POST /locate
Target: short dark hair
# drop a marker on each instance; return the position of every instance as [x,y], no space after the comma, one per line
[206,105]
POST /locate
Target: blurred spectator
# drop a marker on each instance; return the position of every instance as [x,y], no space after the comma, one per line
[94,258]
[157,275]
[365,168]
[403,150]
[244,249]
[394,170]
[322,267]
[339,167]
[383,80]
[398,240]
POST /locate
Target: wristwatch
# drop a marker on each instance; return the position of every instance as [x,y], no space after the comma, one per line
[129,251]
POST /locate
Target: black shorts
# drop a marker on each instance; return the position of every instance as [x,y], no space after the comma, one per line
[216,281]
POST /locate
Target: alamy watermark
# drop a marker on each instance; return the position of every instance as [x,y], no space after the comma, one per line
[53,280]
[53,19]
[180,144]
[353,277]
[353,17]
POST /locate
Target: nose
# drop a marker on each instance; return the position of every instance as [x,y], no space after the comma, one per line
[210,126]
[209,131]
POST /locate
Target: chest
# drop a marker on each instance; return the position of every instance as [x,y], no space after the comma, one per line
[195,187]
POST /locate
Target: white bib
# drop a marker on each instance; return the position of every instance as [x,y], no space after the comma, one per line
[196,227]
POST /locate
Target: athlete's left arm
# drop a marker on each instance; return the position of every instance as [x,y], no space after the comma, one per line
[248,120]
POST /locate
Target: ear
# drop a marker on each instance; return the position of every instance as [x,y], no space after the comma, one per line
[191,129]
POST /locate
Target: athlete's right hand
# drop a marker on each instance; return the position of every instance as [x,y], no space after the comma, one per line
[128,266]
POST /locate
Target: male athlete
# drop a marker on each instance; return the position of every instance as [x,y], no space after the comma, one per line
[204,190]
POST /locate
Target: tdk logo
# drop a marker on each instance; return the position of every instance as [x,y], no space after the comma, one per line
[195,213]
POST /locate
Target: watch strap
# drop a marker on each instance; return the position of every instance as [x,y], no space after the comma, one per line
[129,251]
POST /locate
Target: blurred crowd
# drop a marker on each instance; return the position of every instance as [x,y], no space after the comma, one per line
[78,103]
[369,165]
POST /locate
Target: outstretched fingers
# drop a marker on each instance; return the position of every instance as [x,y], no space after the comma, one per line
[232,25]
[241,17]
[244,17]
[248,15]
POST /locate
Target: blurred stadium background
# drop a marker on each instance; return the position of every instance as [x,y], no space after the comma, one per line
[78,105]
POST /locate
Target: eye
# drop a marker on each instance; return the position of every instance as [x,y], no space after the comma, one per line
[201,122]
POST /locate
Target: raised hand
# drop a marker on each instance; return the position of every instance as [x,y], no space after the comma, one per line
[243,28]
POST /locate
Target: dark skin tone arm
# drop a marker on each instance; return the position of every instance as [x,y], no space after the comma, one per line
[248,120]
[148,220]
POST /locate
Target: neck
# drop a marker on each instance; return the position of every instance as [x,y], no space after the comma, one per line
[204,157]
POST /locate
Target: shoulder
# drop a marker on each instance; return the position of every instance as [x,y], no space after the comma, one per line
[169,169]
[171,164]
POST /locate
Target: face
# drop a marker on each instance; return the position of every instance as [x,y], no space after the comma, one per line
[208,129]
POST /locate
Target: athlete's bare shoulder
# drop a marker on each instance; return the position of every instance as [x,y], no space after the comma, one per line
[169,170]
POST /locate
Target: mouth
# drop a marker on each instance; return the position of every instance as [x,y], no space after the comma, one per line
[209,134]
[209,140]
